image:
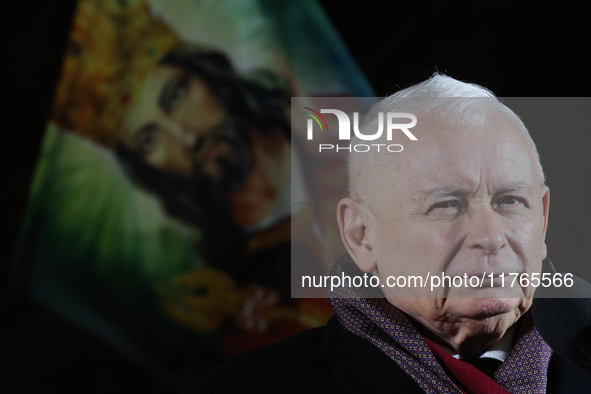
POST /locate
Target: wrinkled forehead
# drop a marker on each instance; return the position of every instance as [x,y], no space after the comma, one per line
[451,153]
[460,138]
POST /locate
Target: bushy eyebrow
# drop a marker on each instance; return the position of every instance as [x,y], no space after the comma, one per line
[444,191]
[523,185]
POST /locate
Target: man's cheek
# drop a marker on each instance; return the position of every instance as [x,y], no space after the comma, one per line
[441,235]
[526,239]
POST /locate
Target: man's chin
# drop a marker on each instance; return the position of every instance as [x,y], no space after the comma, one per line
[480,322]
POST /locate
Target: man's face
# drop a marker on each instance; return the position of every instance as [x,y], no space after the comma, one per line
[179,126]
[460,201]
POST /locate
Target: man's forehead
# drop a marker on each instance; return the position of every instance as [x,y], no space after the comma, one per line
[150,91]
[448,158]
[449,154]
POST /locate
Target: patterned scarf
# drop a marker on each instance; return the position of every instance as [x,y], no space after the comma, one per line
[365,313]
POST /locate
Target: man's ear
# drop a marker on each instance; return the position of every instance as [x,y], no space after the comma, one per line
[352,218]
[546,211]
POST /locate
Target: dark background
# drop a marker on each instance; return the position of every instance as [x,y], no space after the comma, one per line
[514,48]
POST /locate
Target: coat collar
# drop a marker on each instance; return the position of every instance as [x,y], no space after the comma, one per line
[363,367]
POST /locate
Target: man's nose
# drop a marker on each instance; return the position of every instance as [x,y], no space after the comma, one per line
[180,133]
[487,231]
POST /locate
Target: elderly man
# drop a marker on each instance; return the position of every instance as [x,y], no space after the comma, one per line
[467,198]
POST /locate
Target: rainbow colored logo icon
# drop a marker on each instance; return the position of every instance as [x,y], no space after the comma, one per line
[316,118]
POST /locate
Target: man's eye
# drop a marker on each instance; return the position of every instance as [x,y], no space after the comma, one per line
[511,200]
[445,205]
[173,93]
[176,95]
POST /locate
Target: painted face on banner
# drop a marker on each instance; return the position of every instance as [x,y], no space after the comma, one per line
[179,126]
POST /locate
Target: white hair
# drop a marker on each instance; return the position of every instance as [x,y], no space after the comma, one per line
[467,104]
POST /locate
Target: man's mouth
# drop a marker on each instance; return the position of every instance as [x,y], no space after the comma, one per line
[212,153]
[223,160]
[208,153]
[485,308]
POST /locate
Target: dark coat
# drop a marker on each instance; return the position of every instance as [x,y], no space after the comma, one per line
[330,359]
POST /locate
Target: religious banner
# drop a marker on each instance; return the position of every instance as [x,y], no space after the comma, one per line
[160,212]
